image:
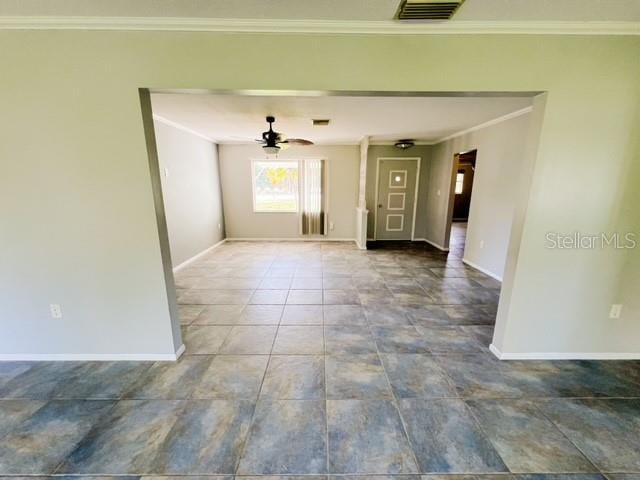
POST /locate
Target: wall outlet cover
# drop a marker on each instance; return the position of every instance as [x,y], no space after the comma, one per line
[616,311]
[56,310]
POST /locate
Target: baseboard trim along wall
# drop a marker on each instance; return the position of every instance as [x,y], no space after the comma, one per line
[563,355]
[434,244]
[483,270]
[93,357]
[188,262]
[291,239]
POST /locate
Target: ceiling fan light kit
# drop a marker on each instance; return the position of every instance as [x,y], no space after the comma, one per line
[272,141]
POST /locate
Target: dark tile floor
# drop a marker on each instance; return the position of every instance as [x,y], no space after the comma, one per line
[319,359]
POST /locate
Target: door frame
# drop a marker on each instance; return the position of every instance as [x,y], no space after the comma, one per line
[452,193]
[415,196]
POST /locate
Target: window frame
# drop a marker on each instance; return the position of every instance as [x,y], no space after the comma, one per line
[297,163]
[460,182]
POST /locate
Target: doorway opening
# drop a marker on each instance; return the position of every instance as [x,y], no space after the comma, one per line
[464,167]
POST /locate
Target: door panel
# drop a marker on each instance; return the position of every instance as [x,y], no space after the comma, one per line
[396,193]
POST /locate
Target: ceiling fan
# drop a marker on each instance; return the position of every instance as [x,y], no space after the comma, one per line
[273,142]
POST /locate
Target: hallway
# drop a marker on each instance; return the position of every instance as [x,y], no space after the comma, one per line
[318,358]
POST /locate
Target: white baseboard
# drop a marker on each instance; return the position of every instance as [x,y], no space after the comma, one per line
[434,244]
[483,270]
[289,239]
[92,357]
[180,351]
[563,355]
[188,262]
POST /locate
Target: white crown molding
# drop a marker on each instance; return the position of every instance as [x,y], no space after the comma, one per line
[373,143]
[179,126]
[388,27]
[495,121]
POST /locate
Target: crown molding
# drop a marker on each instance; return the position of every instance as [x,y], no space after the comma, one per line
[179,126]
[486,124]
[388,27]
[386,143]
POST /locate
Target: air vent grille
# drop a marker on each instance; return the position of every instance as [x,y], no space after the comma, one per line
[320,122]
[427,9]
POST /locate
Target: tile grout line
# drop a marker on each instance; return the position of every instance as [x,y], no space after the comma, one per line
[326,387]
[587,458]
[395,402]
[255,407]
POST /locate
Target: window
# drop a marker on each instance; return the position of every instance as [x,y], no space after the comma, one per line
[459,183]
[275,186]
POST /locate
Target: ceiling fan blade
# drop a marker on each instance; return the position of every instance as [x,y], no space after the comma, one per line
[298,141]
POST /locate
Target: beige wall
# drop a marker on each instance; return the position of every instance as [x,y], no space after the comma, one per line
[377,151]
[495,185]
[191,191]
[76,204]
[342,189]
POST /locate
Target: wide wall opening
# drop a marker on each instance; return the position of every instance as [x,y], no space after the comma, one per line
[264,196]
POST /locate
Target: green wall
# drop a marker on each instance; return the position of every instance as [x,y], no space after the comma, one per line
[76,204]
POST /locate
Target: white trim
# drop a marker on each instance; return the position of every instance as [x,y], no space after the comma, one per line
[401,215]
[483,270]
[388,27]
[387,143]
[362,215]
[173,124]
[404,184]
[563,355]
[292,239]
[415,194]
[181,349]
[486,124]
[404,197]
[434,244]
[197,256]
[92,357]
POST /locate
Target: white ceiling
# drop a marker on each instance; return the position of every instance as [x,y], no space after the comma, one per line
[361,10]
[238,119]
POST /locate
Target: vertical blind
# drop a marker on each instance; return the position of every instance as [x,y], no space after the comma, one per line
[313,201]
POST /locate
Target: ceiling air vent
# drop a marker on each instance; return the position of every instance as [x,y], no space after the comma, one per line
[428,9]
[320,122]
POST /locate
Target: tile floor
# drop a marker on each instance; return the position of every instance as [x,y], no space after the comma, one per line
[318,359]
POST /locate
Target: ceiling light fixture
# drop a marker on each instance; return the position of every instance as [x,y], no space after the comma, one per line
[271,150]
[404,144]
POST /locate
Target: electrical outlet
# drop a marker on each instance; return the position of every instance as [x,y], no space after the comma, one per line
[56,310]
[481,243]
[220,226]
[438,192]
[166,172]
[616,310]
[331,226]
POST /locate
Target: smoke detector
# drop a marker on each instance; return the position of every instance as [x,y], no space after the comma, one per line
[427,9]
